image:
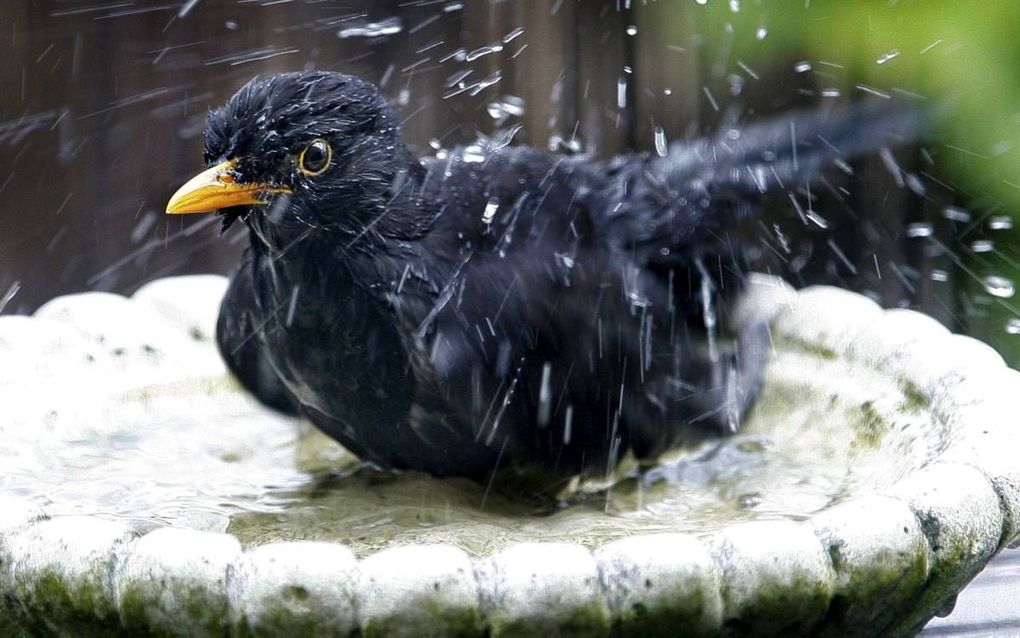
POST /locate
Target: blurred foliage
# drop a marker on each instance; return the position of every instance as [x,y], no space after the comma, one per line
[960,58]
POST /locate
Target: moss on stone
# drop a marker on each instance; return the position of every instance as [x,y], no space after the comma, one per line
[913,399]
[441,622]
[870,428]
[874,595]
[53,606]
[667,618]
[281,620]
[13,618]
[582,622]
[200,611]
[779,608]
[809,347]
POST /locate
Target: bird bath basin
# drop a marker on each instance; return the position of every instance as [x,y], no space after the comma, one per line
[143,491]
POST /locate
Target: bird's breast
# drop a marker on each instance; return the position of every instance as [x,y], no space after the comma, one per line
[335,345]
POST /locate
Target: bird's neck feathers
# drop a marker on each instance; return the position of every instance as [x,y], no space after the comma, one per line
[368,244]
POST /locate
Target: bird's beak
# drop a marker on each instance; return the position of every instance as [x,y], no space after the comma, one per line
[216,188]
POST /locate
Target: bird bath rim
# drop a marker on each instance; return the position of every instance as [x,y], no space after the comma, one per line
[883,560]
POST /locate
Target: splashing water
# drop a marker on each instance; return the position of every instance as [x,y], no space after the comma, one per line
[389,26]
[998,286]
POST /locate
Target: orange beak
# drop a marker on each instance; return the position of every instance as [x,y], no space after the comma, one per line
[216,188]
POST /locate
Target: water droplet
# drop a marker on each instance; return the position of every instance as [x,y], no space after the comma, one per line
[1000,222]
[998,286]
[735,6]
[1013,326]
[956,214]
[389,26]
[701,2]
[473,154]
[749,501]
[888,56]
[661,147]
[802,67]
[512,35]
[761,32]
[632,30]
[505,107]
[558,144]
[490,211]
[545,396]
[485,83]
[939,275]
[982,245]
[736,83]
[480,51]
[920,229]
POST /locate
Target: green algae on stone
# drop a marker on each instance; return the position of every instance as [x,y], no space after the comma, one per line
[285,619]
[962,519]
[143,614]
[769,613]
[870,427]
[173,582]
[60,573]
[913,398]
[575,623]
[815,349]
[665,619]
[439,621]
[872,597]
[53,606]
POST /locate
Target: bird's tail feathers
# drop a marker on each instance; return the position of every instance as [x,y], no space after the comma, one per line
[795,148]
[703,188]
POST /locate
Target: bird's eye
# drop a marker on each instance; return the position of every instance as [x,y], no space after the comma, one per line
[315,158]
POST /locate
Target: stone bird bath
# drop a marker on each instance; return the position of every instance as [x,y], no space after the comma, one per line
[143,492]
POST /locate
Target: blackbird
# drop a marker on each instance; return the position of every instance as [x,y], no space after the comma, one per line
[494,307]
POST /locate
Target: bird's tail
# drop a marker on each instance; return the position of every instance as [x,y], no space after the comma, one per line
[701,189]
[795,148]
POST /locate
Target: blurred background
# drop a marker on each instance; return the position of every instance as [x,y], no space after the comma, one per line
[104,103]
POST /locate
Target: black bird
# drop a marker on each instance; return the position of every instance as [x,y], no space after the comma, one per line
[493,307]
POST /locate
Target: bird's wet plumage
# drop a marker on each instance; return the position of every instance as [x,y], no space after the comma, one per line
[498,307]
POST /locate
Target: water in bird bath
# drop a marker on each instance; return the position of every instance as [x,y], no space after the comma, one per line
[195,451]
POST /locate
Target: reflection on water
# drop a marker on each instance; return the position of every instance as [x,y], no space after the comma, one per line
[148,427]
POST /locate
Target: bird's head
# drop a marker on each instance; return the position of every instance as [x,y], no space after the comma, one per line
[299,152]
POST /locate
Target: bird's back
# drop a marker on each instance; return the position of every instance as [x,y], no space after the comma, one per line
[548,338]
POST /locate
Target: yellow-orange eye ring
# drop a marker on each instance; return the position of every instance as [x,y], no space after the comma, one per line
[315,158]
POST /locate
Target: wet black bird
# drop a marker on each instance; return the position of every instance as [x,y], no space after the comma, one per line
[493,307]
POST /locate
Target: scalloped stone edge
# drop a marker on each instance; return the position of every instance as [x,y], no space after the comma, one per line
[878,562]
